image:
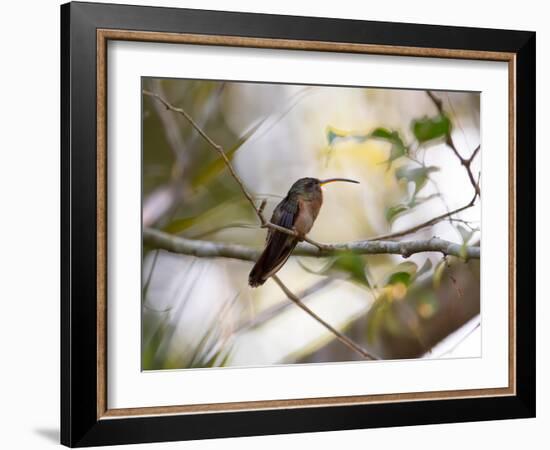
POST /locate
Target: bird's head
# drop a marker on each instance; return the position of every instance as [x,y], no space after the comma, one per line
[310,187]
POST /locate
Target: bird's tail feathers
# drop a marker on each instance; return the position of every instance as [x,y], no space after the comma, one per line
[256,278]
[269,264]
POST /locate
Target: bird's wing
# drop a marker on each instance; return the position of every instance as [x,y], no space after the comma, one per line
[284,215]
[279,245]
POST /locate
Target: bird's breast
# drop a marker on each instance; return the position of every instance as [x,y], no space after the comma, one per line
[307,213]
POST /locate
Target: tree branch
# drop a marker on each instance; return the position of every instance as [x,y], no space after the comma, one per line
[208,249]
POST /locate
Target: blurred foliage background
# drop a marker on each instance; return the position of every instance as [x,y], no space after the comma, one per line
[200,312]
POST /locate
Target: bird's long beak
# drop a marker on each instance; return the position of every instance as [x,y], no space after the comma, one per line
[332,180]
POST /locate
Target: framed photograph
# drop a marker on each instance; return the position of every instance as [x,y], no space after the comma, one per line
[276,224]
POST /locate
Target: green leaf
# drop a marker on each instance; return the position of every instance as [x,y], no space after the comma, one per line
[382,133]
[411,174]
[463,253]
[179,225]
[393,212]
[438,272]
[424,269]
[429,128]
[332,134]
[402,273]
[397,151]
[417,175]
[351,265]
[399,277]
[376,319]
[465,234]
[398,147]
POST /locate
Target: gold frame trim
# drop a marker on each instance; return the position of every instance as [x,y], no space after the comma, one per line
[104,35]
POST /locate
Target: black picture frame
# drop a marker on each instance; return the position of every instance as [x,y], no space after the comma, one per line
[80,425]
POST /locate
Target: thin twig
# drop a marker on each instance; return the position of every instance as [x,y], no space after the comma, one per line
[428,223]
[474,154]
[215,146]
[150,275]
[171,131]
[279,307]
[341,337]
[160,203]
[461,341]
[466,162]
[467,223]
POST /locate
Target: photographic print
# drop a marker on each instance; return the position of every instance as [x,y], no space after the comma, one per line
[296,224]
[293,209]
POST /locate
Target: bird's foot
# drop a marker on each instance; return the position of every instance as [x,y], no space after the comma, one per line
[300,236]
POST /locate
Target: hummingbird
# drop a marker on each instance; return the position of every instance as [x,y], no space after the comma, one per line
[297,212]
